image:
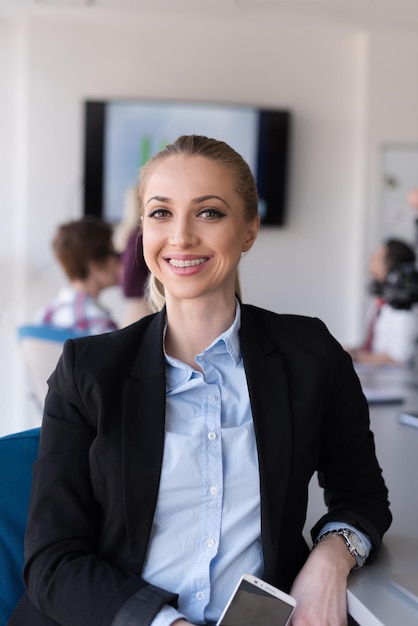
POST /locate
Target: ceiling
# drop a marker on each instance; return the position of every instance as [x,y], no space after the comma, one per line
[359,14]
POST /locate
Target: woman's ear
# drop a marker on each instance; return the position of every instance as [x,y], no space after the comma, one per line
[251,234]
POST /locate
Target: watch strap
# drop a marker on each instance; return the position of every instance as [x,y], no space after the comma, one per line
[345,533]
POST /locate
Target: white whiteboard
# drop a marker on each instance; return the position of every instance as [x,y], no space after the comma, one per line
[399,176]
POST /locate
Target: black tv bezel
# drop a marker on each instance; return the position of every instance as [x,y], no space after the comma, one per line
[272,161]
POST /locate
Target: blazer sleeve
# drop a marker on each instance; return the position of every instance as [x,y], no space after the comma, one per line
[66,576]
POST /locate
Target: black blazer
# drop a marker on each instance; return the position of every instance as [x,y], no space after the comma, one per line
[96,479]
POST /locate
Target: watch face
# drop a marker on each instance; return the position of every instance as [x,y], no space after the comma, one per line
[357,544]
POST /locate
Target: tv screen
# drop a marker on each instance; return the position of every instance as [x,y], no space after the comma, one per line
[121,135]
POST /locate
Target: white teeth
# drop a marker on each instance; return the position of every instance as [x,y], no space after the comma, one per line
[188,263]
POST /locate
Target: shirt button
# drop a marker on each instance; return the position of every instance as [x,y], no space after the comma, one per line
[212,436]
[200,595]
[211,543]
[213,491]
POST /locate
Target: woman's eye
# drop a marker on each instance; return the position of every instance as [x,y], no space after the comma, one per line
[159,213]
[212,214]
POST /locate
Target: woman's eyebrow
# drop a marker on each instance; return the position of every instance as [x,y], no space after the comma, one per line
[197,200]
[158,199]
[210,197]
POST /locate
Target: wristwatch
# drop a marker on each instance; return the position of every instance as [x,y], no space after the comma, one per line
[354,543]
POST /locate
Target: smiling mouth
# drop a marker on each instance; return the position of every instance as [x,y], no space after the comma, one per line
[188,262]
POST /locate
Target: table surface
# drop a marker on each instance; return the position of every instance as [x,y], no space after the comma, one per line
[372,601]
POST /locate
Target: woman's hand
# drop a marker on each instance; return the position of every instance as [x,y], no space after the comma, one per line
[320,588]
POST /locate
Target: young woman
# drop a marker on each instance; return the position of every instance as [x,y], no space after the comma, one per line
[175,454]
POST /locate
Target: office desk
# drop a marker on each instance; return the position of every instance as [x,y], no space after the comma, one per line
[372,601]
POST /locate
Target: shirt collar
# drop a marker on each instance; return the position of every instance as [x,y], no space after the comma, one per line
[229,339]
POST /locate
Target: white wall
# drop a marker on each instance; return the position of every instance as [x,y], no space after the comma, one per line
[393,110]
[331,79]
[291,68]
[12,416]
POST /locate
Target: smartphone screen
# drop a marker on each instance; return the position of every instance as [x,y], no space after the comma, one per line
[256,603]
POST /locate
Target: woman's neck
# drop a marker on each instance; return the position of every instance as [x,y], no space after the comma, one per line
[193,325]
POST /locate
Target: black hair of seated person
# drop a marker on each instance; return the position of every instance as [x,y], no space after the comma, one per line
[397,253]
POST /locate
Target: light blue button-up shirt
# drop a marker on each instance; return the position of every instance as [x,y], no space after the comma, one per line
[199,545]
[210,483]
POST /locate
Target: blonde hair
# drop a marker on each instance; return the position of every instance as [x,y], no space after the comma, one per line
[224,155]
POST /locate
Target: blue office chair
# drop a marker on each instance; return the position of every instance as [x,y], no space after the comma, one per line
[17,453]
[42,347]
[47,333]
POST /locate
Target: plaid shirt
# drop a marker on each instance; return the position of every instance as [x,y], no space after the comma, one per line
[78,312]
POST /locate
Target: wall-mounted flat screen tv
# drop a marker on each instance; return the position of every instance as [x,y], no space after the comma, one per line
[121,135]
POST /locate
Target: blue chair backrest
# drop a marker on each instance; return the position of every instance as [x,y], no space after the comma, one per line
[17,454]
[49,333]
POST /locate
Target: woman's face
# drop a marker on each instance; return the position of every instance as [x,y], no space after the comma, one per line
[194,227]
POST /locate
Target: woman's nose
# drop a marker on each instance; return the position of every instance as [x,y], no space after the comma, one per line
[182,235]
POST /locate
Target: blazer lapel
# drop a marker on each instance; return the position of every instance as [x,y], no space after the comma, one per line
[270,403]
[143,436]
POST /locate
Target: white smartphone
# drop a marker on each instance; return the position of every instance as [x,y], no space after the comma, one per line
[257,603]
